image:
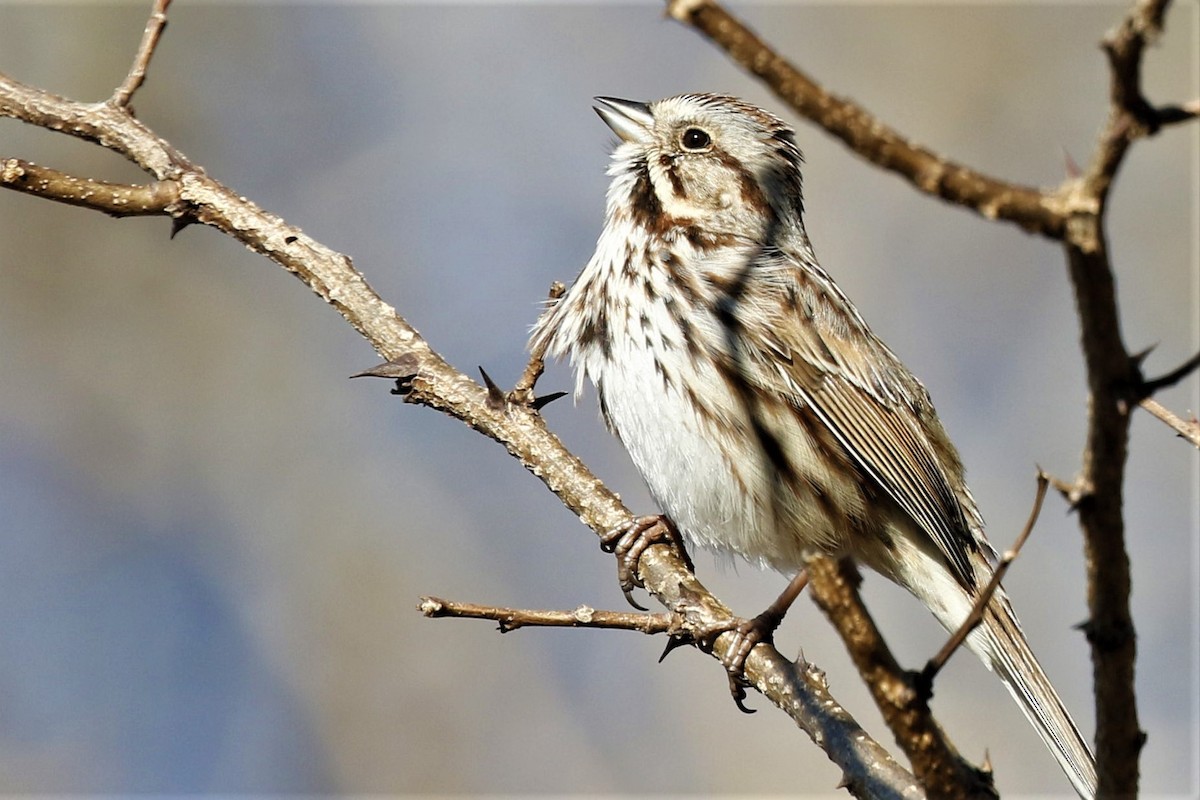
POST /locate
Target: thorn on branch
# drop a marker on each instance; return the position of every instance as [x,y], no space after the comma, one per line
[1149,387]
[1139,358]
[496,399]
[403,370]
[538,403]
[1070,166]
[179,223]
[674,642]
[1107,638]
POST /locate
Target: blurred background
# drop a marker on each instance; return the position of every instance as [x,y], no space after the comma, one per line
[212,543]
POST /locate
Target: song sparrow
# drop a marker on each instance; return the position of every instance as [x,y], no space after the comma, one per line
[766,417]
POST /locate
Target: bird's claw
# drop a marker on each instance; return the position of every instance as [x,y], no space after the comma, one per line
[737,688]
[748,634]
[628,541]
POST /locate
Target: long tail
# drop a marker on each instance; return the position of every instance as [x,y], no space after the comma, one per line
[1002,646]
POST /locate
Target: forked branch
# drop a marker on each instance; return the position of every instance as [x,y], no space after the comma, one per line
[904,705]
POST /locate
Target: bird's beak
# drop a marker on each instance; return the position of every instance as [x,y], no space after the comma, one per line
[629,120]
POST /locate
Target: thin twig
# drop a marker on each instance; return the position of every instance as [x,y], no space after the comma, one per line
[523,391]
[1187,429]
[137,72]
[956,640]
[509,619]
[116,199]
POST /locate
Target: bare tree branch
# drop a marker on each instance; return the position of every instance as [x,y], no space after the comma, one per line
[866,135]
[510,619]
[1187,429]
[137,71]
[959,637]
[1072,213]
[1111,371]
[905,708]
[117,199]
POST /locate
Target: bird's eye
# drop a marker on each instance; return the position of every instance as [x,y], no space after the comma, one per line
[695,139]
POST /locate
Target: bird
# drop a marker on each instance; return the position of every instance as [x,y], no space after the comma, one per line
[766,418]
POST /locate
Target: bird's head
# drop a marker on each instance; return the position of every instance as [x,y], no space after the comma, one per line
[705,160]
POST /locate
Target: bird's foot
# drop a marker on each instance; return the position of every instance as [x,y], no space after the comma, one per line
[749,633]
[628,541]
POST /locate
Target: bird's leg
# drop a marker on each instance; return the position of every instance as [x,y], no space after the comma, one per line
[628,541]
[748,633]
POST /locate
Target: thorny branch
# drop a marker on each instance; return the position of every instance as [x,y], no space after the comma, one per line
[425,378]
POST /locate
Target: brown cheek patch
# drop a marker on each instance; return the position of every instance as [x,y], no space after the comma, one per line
[748,187]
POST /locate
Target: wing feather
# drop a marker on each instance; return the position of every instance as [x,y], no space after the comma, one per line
[880,414]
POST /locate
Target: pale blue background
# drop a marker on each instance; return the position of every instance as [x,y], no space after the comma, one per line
[212,543]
